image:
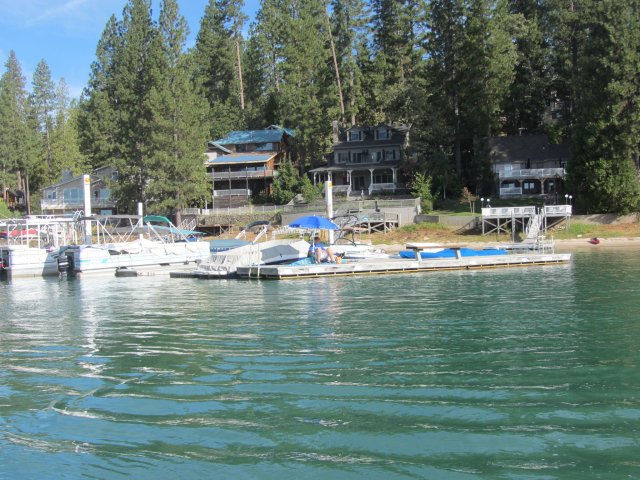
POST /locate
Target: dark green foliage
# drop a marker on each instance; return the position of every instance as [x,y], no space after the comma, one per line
[603,173]
[286,185]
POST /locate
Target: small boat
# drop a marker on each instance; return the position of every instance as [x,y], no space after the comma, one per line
[594,241]
[223,263]
[150,242]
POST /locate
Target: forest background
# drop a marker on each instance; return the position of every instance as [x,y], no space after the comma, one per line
[457,71]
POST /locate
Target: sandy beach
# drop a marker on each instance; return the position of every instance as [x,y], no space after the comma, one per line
[565,245]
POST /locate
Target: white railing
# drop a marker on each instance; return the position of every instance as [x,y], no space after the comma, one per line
[380,187]
[505,212]
[233,191]
[510,191]
[346,189]
[558,210]
[532,173]
[222,175]
[52,203]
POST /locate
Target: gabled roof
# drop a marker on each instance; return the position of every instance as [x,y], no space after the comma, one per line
[268,135]
[95,177]
[398,136]
[236,158]
[520,148]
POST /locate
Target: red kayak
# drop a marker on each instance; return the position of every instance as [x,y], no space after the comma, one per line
[594,241]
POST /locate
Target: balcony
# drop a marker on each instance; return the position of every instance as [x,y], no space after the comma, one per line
[221,175]
[511,192]
[532,173]
[233,192]
[60,204]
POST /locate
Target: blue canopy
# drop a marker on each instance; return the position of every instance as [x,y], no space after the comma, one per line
[314,222]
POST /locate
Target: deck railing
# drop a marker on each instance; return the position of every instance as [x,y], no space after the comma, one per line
[532,173]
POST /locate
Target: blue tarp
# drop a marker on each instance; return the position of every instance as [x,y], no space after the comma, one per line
[450,253]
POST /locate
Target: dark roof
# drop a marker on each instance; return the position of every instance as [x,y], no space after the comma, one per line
[241,137]
[526,147]
[398,137]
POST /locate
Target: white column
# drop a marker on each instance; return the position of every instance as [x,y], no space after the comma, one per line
[328,198]
[86,182]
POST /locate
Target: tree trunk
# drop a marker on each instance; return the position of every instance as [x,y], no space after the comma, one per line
[335,64]
[239,60]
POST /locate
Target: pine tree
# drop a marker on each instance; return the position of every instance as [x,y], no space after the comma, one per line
[43,98]
[293,40]
[181,131]
[18,138]
[65,143]
[603,170]
[349,21]
[137,73]
[97,115]
[218,64]
[529,92]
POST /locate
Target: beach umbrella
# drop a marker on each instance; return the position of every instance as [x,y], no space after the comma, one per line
[314,222]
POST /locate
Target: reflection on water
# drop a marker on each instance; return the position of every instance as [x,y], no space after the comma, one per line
[527,373]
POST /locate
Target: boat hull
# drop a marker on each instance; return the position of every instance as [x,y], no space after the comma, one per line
[88,259]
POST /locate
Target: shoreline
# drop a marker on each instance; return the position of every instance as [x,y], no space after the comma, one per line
[564,244]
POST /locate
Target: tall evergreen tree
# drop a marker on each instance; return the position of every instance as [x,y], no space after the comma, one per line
[565,34]
[97,115]
[217,58]
[603,170]
[43,98]
[137,73]
[65,143]
[349,22]
[526,104]
[181,131]
[293,41]
[18,139]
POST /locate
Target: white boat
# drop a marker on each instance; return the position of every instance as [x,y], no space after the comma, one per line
[150,242]
[34,245]
[225,263]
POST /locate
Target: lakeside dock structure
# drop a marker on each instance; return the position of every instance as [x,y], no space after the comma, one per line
[385,266]
[531,220]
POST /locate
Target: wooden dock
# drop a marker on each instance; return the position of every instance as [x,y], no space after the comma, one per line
[396,265]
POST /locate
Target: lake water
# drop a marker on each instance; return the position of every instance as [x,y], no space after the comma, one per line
[519,373]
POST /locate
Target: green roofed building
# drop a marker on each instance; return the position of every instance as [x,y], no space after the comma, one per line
[242,164]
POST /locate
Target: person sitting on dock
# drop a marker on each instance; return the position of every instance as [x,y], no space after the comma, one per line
[320,253]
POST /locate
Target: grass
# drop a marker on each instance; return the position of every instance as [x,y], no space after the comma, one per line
[437,232]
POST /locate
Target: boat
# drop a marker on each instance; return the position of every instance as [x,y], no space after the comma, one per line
[348,242]
[126,243]
[224,264]
[429,250]
[35,245]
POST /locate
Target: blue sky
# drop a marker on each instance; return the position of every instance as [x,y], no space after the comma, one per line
[65,33]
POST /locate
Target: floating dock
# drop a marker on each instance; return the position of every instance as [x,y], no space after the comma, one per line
[397,265]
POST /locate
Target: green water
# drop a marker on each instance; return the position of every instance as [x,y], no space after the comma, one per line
[529,373]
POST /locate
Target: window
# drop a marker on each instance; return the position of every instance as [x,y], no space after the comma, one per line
[389,155]
[528,186]
[72,195]
[355,135]
[104,194]
[383,134]
[382,178]
[342,157]
[50,195]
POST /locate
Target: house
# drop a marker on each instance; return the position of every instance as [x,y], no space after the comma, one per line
[365,159]
[68,195]
[243,164]
[528,165]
